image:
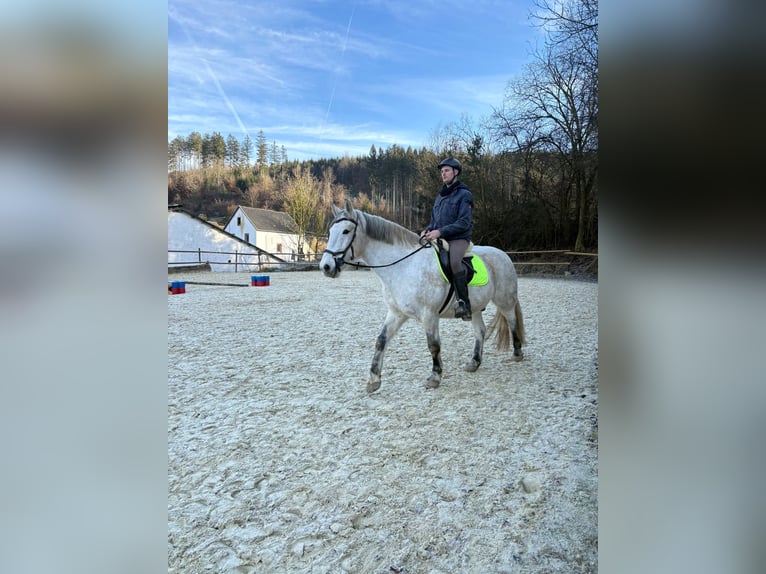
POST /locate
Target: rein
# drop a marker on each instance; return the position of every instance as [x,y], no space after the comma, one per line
[339,261]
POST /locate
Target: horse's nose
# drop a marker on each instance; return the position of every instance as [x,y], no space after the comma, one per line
[326,267]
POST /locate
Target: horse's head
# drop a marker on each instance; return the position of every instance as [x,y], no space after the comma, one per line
[340,242]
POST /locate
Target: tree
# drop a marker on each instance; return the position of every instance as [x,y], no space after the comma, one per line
[213,150]
[176,153]
[572,64]
[553,109]
[246,151]
[301,201]
[194,149]
[262,153]
[232,151]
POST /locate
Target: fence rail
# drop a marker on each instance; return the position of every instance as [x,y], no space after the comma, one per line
[555,260]
[245,261]
[248,261]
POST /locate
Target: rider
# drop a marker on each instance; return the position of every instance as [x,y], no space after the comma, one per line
[452,220]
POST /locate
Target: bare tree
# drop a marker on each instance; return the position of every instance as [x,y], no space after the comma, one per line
[553,107]
[573,25]
[301,201]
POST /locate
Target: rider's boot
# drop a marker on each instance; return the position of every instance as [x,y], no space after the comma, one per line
[463,304]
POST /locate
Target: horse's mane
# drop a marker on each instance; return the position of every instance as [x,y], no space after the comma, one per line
[387,231]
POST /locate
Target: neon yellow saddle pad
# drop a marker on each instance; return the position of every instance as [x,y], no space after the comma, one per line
[480,275]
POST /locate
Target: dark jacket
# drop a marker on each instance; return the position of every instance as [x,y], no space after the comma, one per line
[452,213]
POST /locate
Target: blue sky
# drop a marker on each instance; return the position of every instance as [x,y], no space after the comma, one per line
[326,78]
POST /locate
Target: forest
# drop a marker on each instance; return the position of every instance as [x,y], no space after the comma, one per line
[532,165]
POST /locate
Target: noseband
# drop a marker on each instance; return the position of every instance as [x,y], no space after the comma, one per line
[339,255]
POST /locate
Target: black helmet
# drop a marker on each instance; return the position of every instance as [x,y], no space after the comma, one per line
[451,162]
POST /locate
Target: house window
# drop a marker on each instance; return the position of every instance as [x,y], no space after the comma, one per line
[239,221]
[279,248]
[247,237]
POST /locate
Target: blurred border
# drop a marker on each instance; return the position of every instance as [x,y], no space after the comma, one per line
[83,132]
[681,306]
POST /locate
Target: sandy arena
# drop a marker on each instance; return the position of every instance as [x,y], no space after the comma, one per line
[281,462]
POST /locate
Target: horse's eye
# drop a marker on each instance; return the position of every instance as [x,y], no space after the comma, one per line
[345,231]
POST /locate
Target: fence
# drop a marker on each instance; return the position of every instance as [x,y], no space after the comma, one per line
[237,261]
[547,261]
[555,261]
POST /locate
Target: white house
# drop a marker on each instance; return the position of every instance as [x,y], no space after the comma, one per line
[272,231]
[193,241]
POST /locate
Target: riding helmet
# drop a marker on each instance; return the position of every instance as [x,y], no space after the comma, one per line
[451,162]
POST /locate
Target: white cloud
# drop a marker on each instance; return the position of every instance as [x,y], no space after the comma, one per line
[312,76]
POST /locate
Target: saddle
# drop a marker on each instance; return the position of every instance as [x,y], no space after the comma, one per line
[442,255]
[475,270]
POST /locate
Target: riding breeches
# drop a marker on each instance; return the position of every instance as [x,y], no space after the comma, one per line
[457,249]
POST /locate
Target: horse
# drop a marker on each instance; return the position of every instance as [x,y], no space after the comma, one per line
[414,287]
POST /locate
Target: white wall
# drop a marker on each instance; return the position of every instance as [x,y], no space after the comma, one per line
[244,227]
[269,241]
[266,240]
[189,234]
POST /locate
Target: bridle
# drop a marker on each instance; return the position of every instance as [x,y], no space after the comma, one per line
[341,254]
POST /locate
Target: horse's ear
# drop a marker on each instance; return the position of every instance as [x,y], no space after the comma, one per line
[335,210]
[349,207]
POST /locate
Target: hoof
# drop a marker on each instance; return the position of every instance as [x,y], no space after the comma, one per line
[517,356]
[433,383]
[471,366]
[373,386]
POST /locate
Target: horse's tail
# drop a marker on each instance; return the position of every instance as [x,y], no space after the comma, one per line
[502,329]
[502,334]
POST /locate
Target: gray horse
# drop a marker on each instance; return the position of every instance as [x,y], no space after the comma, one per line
[414,287]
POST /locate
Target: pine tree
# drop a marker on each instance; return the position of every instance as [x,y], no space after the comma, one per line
[262,151]
[232,151]
[246,151]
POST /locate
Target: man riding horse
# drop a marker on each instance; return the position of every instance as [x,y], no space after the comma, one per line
[452,220]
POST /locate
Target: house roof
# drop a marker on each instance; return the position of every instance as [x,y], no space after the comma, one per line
[178,208]
[268,220]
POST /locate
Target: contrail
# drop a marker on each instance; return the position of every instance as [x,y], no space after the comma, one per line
[335,83]
[226,98]
[217,83]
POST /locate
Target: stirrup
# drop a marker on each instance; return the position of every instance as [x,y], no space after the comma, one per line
[463,311]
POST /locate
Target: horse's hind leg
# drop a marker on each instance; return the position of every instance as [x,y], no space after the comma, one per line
[390,326]
[517,332]
[479,332]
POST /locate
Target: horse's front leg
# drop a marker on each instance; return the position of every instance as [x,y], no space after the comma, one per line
[479,332]
[434,346]
[390,326]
